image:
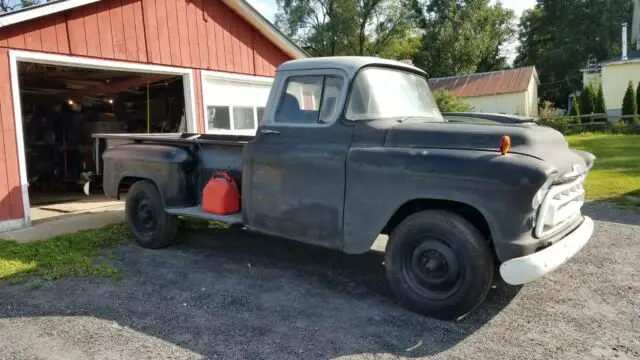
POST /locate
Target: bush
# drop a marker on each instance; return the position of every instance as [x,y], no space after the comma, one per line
[562,124]
[547,110]
[587,100]
[575,109]
[638,96]
[448,101]
[601,107]
[629,103]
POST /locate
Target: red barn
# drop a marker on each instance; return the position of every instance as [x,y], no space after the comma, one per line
[72,67]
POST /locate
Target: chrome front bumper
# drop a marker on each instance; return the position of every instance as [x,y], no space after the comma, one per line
[531,267]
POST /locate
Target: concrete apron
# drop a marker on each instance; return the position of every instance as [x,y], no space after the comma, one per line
[67,224]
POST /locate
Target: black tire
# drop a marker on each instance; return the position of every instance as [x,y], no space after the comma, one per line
[148,221]
[439,265]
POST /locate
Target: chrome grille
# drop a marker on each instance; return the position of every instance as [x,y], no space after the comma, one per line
[560,207]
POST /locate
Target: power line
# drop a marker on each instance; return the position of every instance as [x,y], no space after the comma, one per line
[563,80]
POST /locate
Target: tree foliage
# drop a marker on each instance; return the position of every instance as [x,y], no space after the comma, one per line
[11,5]
[448,101]
[463,37]
[638,97]
[601,106]
[629,103]
[349,27]
[575,108]
[444,37]
[587,100]
[559,36]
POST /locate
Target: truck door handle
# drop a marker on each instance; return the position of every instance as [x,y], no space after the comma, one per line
[269,132]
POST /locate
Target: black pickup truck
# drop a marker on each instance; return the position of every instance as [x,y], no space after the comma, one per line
[350,148]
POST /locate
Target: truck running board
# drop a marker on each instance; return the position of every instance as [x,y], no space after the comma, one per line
[197,212]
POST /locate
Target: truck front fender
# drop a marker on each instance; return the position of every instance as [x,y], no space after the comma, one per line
[381,180]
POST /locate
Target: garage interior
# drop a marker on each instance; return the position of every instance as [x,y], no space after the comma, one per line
[63,105]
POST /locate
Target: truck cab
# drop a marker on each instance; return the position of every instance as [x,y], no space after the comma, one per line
[353,147]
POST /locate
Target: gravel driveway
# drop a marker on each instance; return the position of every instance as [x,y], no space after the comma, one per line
[230,295]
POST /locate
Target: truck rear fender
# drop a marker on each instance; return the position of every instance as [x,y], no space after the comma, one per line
[128,179]
[171,169]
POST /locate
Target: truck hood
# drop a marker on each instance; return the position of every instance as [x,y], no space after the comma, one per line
[531,140]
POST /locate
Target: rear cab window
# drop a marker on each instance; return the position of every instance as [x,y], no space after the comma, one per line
[309,100]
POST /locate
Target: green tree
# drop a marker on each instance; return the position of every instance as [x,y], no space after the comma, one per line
[601,107]
[448,101]
[462,37]
[638,97]
[350,27]
[559,36]
[587,101]
[629,103]
[575,108]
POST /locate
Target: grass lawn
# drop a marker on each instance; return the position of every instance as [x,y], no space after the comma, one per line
[616,174]
[76,254]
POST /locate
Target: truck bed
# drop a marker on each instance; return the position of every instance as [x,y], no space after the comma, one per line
[176,138]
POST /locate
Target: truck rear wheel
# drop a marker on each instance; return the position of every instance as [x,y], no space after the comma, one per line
[148,221]
[439,264]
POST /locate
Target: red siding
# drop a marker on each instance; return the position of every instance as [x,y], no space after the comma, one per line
[10,192]
[198,96]
[197,34]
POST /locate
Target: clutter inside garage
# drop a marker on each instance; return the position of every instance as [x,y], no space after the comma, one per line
[62,106]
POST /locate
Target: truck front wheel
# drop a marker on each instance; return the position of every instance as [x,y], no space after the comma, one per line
[150,225]
[439,264]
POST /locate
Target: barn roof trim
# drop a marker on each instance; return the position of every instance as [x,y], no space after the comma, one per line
[489,83]
[241,7]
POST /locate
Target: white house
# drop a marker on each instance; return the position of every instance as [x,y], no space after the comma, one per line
[615,74]
[512,91]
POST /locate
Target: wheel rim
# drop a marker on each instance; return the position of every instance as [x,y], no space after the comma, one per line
[144,217]
[433,269]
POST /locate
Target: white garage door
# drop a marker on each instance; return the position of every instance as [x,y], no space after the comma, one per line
[233,104]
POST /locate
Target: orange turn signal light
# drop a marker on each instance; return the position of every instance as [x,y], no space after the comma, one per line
[505,144]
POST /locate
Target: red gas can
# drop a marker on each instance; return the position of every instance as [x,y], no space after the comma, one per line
[220,196]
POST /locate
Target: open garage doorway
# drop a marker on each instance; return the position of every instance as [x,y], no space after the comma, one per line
[62,105]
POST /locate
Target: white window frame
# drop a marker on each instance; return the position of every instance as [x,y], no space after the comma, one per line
[64,60]
[236,78]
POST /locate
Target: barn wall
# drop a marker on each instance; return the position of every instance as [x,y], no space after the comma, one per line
[166,32]
[10,192]
[197,34]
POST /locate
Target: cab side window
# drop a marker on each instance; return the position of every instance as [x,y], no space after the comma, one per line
[309,100]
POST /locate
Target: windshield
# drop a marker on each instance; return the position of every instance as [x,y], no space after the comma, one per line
[386,93]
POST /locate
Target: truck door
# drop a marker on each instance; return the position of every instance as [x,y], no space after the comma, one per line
[296,164]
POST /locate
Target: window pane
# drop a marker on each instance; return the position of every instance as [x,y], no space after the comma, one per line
[218,117]
[384,93]
[243,118]
[260,113]
[301,101]
[329,108]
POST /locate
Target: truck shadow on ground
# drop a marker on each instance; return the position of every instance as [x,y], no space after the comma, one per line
[231,294]
[606,211]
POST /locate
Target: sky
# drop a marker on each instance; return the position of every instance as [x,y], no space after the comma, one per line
[268,9]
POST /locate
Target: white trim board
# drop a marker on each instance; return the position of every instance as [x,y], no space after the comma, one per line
[63,60]
[42,10]
[10,225]
[236,77]
[251,15]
